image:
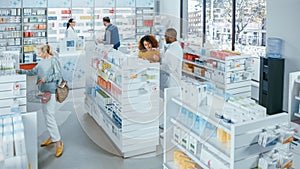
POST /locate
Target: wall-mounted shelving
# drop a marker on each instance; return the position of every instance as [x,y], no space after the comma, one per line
[10,29]
[57,23]
[34,32]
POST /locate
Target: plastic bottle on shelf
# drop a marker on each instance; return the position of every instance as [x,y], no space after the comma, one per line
[196,125]
[183,115]
[190,119]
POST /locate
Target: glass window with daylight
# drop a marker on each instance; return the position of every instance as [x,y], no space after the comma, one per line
[195,21]
[218,23]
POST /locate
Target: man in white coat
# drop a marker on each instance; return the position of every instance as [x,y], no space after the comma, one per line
[171,63]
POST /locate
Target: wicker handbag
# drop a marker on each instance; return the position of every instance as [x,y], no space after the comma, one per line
[62,91]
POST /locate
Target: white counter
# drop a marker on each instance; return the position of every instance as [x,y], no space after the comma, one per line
[73,68]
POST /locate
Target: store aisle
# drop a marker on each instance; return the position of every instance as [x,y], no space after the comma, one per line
[80,151]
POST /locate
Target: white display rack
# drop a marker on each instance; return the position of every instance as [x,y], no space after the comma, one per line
[294,100]
[224,77]
[241,152]
[294,112]
[12,88]
[126,110]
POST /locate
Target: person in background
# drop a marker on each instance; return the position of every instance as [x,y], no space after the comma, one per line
[48,73]
[71,32]
[148,47]
[111,35]
[171,61]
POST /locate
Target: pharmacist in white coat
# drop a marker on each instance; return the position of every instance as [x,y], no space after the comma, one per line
[71,32]
[171,61]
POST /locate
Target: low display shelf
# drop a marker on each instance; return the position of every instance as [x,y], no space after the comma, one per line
[123,100]
[236,148]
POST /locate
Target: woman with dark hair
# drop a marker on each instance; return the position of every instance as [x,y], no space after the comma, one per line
[71,32]
[148,47]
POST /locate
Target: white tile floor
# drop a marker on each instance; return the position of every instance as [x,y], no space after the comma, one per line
[81,152]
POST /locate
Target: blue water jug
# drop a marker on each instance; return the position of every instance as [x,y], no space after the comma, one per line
[274,47]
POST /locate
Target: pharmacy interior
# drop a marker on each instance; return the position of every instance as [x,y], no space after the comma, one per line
[236,105]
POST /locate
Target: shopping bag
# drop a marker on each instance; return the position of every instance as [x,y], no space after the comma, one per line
[62,91]
[45,97]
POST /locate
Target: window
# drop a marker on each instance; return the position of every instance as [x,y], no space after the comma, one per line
[250,19]
[195,21]
[218,23]
[250,27]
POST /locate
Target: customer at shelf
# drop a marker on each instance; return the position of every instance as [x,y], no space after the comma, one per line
[111,35]
[171,61]
[48,73]
[71,32]
[148,47]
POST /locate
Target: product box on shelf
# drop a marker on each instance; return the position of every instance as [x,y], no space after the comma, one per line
[212,161]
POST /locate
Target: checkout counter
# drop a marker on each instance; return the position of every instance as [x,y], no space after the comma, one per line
[72,60]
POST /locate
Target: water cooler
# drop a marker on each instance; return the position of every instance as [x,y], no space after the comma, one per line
[272,77]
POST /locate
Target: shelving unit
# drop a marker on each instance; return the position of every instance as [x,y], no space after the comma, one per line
[84,21]
[12,91]
[123,98]
[241,149]
[294,101]
[125,20]
[144,21]
[34,32]
[57,23]
[10,29]
[12,88]
[232,75]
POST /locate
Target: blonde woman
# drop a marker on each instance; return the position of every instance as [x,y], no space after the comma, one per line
[48,76]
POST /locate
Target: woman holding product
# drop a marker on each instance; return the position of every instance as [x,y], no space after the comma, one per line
[71,32]
[48,73]
[148,47]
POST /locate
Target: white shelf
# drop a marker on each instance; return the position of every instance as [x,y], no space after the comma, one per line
[203,113]
[111,96]
[203,78]
[204,57]
[107,79]
[235,57]
[133,138]
[297,98]
[297,115]
[212,144]
[241,152]
[204,66]
[115,67]
[215,69]
[192,156]
[170,165]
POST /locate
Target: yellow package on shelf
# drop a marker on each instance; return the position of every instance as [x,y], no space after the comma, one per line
[86,17]
[178,153]
[189,165]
